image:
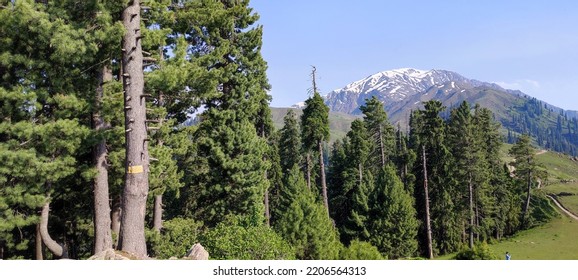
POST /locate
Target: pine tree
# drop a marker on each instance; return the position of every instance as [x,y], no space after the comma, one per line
[52,125]
[290,142]
[393,229]
[428,130]
[232,182]
[468,163]
[357,184]
[525,170]
[304,222]
[380,130]
[314,132]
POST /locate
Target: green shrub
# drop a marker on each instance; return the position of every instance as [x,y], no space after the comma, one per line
[359,250]
[239,239]
[480,251]
[176,238]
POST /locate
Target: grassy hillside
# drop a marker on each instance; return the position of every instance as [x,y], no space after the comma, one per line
[555,240]
[339,123]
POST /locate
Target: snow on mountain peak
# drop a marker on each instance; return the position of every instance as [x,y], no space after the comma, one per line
[394,86]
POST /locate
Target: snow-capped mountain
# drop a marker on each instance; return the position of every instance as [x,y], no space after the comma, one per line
[396,86]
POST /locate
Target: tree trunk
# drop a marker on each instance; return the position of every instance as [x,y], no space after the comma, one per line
[158,201]
[471,230]
[102,222]
[322,171]
[427,215]
[381,147]
[132,231]
[308,171]
[267,211]
[266,175]
[116,215]
[158,213]
[58,250]
[38,244]
[527,205]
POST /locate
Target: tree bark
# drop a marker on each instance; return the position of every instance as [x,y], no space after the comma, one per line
[158,213]
[132,231]
[58,250]
[115,218]
[322,171]
[38,244]
[102,222]
[427,215]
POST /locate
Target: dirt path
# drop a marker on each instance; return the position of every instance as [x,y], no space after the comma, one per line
[541,152]
[553,198]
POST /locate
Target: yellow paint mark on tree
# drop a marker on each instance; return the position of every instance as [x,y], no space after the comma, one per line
[135,169]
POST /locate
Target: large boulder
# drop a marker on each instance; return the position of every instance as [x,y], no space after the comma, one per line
[111,254]
[197,252]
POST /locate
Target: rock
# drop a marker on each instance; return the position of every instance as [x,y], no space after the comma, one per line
[197,252]
[111,254]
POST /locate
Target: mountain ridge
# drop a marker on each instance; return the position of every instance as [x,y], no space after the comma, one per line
[406,89]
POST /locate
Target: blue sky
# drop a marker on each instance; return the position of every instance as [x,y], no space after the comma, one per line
[526,45]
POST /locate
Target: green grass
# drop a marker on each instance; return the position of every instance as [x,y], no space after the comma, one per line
[555,240]
[559,166]
[567,194]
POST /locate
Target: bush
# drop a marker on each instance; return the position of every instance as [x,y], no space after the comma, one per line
[238,239]
[176,238]
[359,250]
[479,252]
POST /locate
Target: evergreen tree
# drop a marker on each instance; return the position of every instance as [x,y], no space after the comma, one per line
[393,229]
[338,202]
[274,175]
[404,159]
[428,130]
[290,142]
[315,131]
[468,163]
[304,222]
[232,180]
[44,67]
[525,170]
[357,184]
[380,131]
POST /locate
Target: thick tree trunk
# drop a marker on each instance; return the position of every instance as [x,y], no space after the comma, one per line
[58,250]
[115,219]
[471,230]
[158,213]
[38,244]
[322,171]
[427,215]
[102,222]
[132,231]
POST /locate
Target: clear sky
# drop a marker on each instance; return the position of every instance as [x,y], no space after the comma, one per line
[527,45]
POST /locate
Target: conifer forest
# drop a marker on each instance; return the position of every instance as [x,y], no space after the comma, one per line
[145,127]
